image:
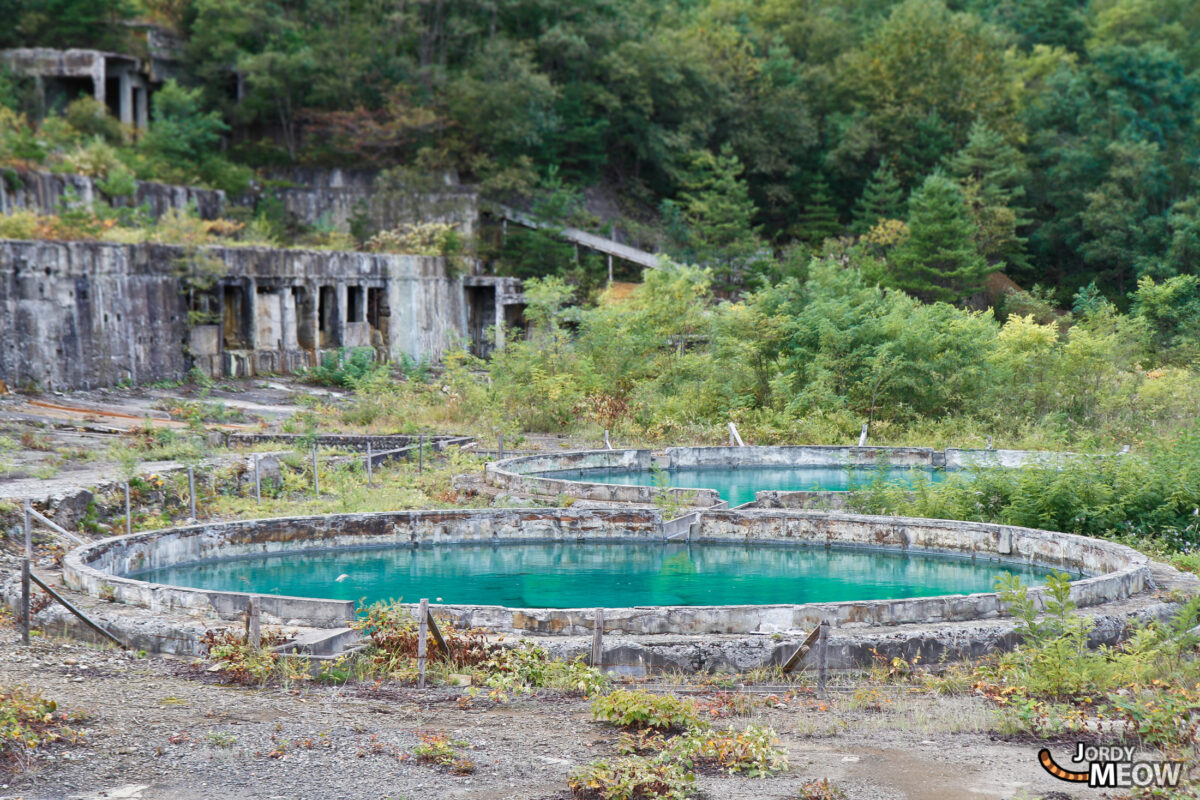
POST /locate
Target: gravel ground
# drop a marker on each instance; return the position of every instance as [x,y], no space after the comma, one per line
[156,728]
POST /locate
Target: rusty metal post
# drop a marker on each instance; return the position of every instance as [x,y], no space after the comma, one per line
[128,512]
[257,482]
[370,466]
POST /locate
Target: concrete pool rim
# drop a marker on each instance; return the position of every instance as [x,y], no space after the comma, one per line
[525,474]
[1114,571]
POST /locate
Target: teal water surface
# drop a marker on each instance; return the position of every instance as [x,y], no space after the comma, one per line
[738,486]
[610,575]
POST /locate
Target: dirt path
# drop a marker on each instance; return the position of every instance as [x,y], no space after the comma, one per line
[154,732]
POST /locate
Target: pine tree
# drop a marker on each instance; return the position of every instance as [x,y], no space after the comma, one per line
[992,173]
[939,260]
[882,198]
[819,220]
[719,213]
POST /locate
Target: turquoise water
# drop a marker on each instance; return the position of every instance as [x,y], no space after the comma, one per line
[610,575]
[738,486]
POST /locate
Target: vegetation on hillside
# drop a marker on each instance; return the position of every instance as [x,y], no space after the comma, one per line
[726,131]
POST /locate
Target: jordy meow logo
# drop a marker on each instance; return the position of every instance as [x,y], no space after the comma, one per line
[1113,767]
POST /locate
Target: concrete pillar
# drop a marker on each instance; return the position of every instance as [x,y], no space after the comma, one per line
[98,71]
[126,98]
[251,313]
[499,320]
[287,319]
[143,107]
[339,317]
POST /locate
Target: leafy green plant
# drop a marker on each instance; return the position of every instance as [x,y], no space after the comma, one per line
[442,751]
[29,721]
[820,790]
[753,752]
[1055,660]
[346,367]
[631,778]
[235,658]
[528,667]
[394,635]
[641,709]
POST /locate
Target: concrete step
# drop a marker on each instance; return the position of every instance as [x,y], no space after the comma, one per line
[323,642]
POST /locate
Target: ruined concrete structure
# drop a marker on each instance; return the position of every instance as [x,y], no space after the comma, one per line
[344,198]
[86,314]
[121,82]
[47,192]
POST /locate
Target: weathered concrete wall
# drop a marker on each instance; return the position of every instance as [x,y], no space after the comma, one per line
[44,192]
[80,315]
[335,197]
[1114,571]
[84,314]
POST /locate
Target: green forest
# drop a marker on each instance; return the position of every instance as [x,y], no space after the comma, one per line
[1054,140]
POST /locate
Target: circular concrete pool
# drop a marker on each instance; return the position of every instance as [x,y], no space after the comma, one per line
[802,476]
[758,559]
[606,574]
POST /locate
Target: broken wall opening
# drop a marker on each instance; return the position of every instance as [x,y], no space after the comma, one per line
[235,317]
[327,317]
[355,304]
[481,315]
[306,318]
[379,316]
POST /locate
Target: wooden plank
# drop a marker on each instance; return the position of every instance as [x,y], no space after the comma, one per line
[65,604]
[56,527]
[438,639]
[794,660]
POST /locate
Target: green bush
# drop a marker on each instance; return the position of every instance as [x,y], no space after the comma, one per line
[632,778]
[346,367]
[641,709]
[528,667]
[753,752]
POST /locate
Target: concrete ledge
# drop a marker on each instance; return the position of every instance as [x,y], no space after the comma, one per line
[1113,571]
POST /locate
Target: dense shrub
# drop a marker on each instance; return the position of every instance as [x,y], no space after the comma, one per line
[640,709]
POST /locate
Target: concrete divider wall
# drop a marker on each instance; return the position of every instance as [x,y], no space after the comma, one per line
[1114,571]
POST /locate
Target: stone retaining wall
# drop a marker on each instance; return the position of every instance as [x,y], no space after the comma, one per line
[45,193]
